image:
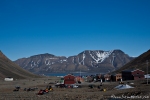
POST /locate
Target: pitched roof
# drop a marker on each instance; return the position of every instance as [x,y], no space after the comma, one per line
[131,70]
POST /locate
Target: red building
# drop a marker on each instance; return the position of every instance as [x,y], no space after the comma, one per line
[132,74]
[69,79]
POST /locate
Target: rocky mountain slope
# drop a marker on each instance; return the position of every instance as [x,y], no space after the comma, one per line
[86,61]
[141,62]
[10,69]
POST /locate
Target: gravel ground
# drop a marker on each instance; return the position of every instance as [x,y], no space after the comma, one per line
[141,91]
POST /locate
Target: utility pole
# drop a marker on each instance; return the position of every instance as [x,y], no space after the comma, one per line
[147,72]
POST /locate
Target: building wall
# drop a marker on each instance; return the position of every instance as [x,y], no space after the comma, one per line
[107,77]
[69,79]
[138,74]
[118,77]
[127,76]
[133,75]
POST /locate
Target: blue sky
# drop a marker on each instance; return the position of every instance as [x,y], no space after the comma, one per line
[68,27]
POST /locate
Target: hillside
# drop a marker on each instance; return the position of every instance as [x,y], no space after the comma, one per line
[138,63]
[87,61]
[10,69]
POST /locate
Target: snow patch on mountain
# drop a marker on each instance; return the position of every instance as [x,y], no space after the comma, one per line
[83,57]
[99,57]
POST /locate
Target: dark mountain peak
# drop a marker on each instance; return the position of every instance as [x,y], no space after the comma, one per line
[43,55]
[118,50]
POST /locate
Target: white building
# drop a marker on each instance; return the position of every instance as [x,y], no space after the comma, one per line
[147,76]
[8,79]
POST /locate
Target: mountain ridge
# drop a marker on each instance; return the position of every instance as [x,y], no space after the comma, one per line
[87,60]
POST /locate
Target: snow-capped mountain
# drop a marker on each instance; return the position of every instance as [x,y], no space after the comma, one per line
[87,61]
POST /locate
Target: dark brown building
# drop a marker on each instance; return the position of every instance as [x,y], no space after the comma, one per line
[132,74]
[117,77]
[107,77]
[69,79]
[101,77]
